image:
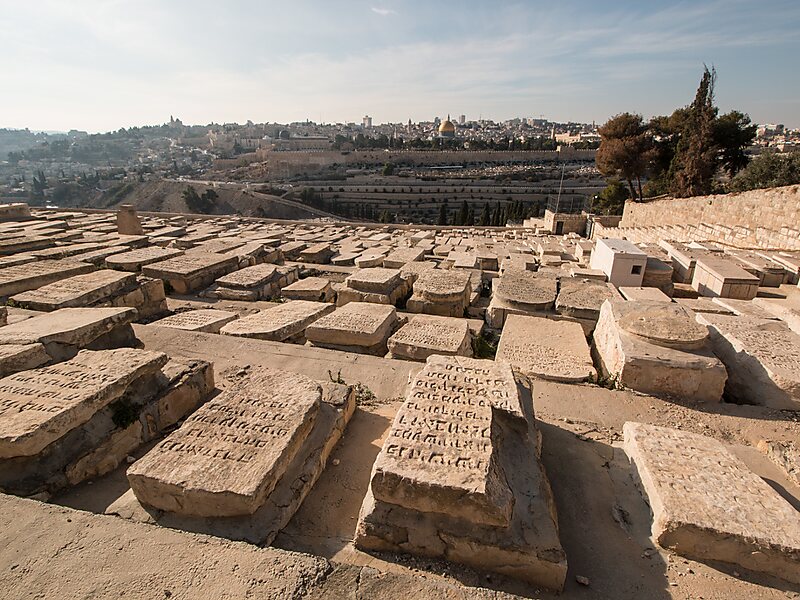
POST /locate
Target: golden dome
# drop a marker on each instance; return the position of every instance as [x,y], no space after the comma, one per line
[447,126]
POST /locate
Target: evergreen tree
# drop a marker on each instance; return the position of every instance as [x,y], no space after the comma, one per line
[486,216]
[463,214]
[442,214]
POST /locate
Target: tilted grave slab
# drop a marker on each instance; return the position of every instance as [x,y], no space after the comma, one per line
[459,476]
[192,271]
[65,331]
[39,406]
[134,260]
[320,253]
[658,348]
[358,327]
[21,357]
[258,282]
[397,258]
[29,276]
[762,357]
[425,335]
[546,349]
[262,427]
[280,323]
[317,289]
[580,299]
[206,320]
[707,505]
[77,291]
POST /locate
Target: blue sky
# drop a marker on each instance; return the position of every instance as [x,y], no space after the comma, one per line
[101,65]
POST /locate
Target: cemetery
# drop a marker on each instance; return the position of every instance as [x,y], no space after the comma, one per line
[454,412]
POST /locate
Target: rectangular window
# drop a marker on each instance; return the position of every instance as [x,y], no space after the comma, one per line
[636,270]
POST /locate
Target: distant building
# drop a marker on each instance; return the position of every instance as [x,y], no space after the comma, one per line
[447,129]
[462,119]
[366,122]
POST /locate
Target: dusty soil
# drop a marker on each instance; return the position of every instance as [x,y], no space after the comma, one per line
[603,519]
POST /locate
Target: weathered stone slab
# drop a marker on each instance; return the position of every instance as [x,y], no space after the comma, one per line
[663,361]
[459,476]
[65,331]
[546,349]
[317,289]
[358,324]
[29,276]
[77,291]
[533,291]
[279,323]
[192,271]
[134,260]
[21,357]
[204,320]
[717,276]
[644,293]
[425,335]
[663,323]
[397,258]
[249,277]
[14,245]
[785,454]
[582,298]
[228,456]
[708,505]
[377,280]
[37,407]
[442,286]
[762,357]
[439,453]
[317,253]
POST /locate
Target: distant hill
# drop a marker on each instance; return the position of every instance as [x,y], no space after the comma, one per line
[166,196]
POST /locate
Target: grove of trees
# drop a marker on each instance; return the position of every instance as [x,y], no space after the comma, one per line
[688,153]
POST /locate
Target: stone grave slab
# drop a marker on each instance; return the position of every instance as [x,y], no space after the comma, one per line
[376,285]
[192,271]
[320,253]
[65,331]
[335,410]
[722,277]
[762,357]
[707,505]
[134,260]
[257,282]
[317,289]
[77,291]
[281,323]
[653,347]
[520,292]
[425,335]
[16,245]
[204,320]
[29,276]
[644,293]
[21,357]
[397,258]
[228,456]
[459,476]
[581,299]
[543,348]
[785,454]
[358,326]
[440,292]
[250,277]
[39,406]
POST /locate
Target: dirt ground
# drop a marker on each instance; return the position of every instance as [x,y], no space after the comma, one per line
[604,521]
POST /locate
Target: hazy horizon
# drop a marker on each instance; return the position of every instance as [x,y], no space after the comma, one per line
[99,66]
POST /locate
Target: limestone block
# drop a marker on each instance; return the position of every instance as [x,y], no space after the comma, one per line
[317,289]
[425,335]
[279,323]
[358,324]
[546,349]
[227,457]
[77,291]
[708,505]
[134,260]
[21,357]
[203,320]
[22,277]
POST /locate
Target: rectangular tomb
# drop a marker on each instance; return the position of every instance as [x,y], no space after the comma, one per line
[29,276]
[358,326]
[229,455]
[459,476]
[281,323]
[192,271]
[707,505]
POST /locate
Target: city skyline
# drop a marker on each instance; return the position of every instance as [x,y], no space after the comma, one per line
[99,66]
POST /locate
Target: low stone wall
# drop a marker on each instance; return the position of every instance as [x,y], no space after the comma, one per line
[776,209]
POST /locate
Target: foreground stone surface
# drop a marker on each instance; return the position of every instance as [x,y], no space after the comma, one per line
[21,357]
[708,505]
[37,407]
[459,476]
[46,549]
[228,456]
[546,349]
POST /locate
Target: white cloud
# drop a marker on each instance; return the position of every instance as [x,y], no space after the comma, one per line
[384,12]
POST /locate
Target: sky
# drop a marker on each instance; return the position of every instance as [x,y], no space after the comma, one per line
[99,65]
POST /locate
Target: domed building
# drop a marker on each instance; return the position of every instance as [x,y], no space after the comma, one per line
[447,129]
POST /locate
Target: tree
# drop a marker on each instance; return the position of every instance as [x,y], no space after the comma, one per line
[463,214]
[611,201]
[486,216]
[625,150]
[733,133]
[768,170]
[442,214]
[388,169]
[694,164]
